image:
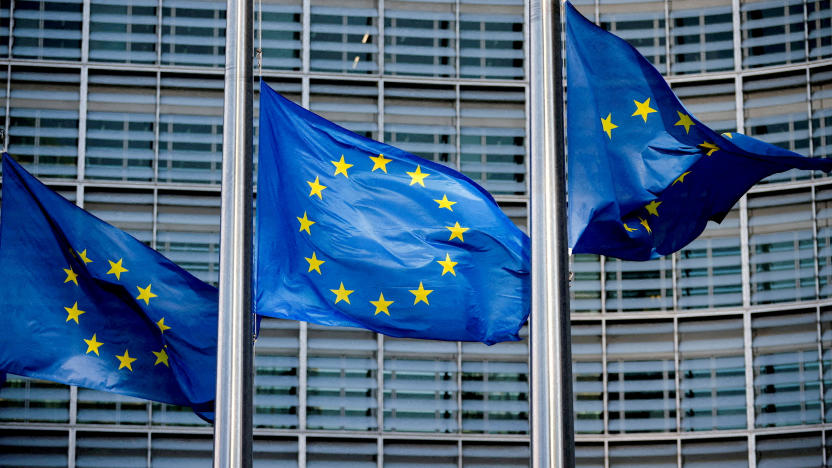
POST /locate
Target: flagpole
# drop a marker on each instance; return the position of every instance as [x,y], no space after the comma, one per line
[233,415]
[550,362]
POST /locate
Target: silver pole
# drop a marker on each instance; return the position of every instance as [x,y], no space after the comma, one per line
[552,431]
[233,423]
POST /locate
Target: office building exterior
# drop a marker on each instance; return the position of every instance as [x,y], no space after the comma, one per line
[719,355]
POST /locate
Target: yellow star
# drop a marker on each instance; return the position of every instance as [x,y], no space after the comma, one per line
[608,125]
[145,294]
[73,313]
[341,167]
[116,268]
[342,294]
[456,231]
[93,345]
[161,325]
[421,294]
[712,148]
[83,256]
[71,276]
[729,135]
[126,361]
[161,357]
[646,226]
[316,188]
[447,265]
[628,228]
[445,203]
[381,305]
[681,178]
[380,162]
[684,120]
[417,176]
[653,207]
[643,108]
[305,223]
[314,263]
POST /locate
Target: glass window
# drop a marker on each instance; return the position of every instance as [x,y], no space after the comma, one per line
[638,286]
[820,28]
[188,231]
[726,453]
[492,138]
[654,455]
[128,210]
[181,450]
[43,120]
[772,32]
[193,33]
[822,112]
[28,400]
[776,112]
[352,105]
[190,129]
[641,382]
[776,451]
[641,23]
[420,386]
[589,455]
[786,374]
[490,454]
[4,29]
[280,36]
[95,407]
[341,378]
[781,247]
[123,30]
[271,451]
[47,29]
[421,120]
[826,350]
[325,453]
[712,371]
[121,126]
[420,453]
[276,374]
[343,38]
[495,387]
[709,269]
[585,284]
[419,38]
[109,449]
[34,448]
[823,219]
[491,39]
[587,378]
[712,102]
[702,36]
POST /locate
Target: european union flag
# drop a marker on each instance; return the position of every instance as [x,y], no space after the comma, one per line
[353,232]
[644,175]
[84,303]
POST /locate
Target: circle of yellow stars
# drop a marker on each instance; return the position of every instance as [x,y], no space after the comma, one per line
[382,305]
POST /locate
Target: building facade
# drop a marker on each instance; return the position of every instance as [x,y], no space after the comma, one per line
[719,355]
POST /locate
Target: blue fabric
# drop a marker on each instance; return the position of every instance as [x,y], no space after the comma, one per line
[648,186]
[78,292]
[382,233]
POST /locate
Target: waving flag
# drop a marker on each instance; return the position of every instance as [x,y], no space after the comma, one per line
[84,303]
[353,232]
[645,176]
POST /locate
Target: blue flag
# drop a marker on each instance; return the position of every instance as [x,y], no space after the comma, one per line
[645,175]
[353,232]
[83,303]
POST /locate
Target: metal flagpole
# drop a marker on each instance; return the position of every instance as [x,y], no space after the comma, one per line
[550,362]
[233,416]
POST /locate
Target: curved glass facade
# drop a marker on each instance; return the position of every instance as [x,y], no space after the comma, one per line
[719,355]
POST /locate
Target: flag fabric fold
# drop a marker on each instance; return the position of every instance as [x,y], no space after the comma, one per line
[84,303]
[645,176]
[353,232]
